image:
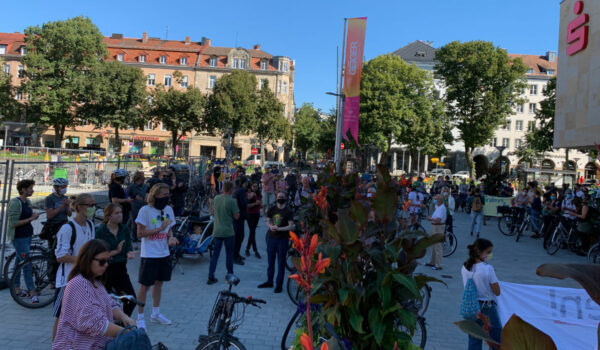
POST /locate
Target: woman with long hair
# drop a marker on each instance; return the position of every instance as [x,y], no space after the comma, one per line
[484,276]
[254,205]
[87,321]
[118,238]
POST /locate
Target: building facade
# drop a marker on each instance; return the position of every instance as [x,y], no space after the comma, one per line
[200,64]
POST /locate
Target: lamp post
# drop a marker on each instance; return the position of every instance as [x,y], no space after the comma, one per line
[337,154]
[501,161]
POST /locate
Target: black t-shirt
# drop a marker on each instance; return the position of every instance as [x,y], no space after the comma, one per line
[178,193]
[279,218]
[116,191]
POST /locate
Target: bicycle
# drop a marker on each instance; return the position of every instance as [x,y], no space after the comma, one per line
[41,265]
[37,248]
[593,255]
[223,323]
[507,220]
[561,236]
[521,226]
[450,242]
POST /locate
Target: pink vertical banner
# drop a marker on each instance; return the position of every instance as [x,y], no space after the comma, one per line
[355,44]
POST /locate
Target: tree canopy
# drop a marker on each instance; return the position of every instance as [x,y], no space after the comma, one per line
[7,95]
[483,86]
[60,56]
[270,122]
[307,128]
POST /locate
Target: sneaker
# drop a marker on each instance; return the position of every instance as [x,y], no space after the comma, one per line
[35,299]
[430,265]
[257,255]
[212,280]
[141,324]
[278,289]
[160,318]
[436,268]
[266,285]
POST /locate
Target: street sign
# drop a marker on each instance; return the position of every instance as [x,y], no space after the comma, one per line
[435,160]
[342,145]
[255,151]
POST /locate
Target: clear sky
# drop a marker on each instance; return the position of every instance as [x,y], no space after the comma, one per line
[309,31]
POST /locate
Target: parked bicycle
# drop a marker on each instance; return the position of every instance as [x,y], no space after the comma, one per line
[38,247]
[226,318]
[564,234]
[41,266]
[593,255]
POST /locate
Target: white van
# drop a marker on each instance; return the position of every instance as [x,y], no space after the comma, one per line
[440,172]
[253,160]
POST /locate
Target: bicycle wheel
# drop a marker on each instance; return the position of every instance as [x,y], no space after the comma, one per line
[40,267]
[10,261]
[449,244]
[294,291]
[289,265]
[593,256]
[289,335]
[506,225]
[555,242]
[215,342]
[423,304]
[418,335]
[205,204]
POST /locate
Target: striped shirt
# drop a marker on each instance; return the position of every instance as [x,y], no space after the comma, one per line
[86,312]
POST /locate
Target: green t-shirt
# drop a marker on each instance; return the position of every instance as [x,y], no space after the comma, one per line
[225,207]
[123,234]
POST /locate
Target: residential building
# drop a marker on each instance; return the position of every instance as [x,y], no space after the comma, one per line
[201,66]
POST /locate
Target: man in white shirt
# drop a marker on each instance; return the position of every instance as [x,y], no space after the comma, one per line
[438,225]
[416,201]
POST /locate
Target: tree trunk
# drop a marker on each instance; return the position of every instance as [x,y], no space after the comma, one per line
[59,133]
[174,139]
[117,141]
[469,158]
[231,146]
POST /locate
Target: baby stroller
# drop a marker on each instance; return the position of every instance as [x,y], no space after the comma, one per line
[194,234]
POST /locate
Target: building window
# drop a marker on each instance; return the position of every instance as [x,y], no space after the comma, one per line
[120,57]
[149,125]
[21,73]
[494,142]
[286,66]
[163,127]
[212,80]
[168,80]
[142,59]
[279,86]
[2,49]
[264,65]
[519,125]
[7,68]
[550,72]
[163,60]
[184,81]
[518,143]
[23,51]
[236,63]
[19,96]
[533,89]
[213,62]
[243,64]
[151,79]
[506,142]
[532,108]
[183,61]
[530,71]
[285,87]
[530,125]
[263,82]
[520,108]
[507,126]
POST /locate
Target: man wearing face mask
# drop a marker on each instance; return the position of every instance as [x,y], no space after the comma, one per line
[279,221]
[58,209]
[438,225]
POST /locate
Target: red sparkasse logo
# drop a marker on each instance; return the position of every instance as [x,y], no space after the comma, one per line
[578,31]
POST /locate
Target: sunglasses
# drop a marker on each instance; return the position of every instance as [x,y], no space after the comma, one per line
[102,262]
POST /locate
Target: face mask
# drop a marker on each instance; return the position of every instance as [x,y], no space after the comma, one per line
[161,203]
[487,258]
[61,191]
[90,212]
[435,202]
[446,194]
[552,197]
[281,200]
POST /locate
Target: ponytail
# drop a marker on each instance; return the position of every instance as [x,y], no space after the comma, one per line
[480,245]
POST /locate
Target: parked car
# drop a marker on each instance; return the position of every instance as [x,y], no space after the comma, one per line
[463,174]
[440,172]
[279,165]
[253,160]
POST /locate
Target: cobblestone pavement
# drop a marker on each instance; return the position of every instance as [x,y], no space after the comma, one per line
[187,300]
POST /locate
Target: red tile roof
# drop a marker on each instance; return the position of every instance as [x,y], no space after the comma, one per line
[539,64]
[13,42]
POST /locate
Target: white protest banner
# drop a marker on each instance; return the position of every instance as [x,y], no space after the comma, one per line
[568,315]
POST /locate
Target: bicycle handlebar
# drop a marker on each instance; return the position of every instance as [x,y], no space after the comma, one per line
[248,300]
[130,298]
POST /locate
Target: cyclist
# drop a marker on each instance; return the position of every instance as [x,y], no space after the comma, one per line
[521,203]
[552,205]
[585,227]
[58,208]
[536,210]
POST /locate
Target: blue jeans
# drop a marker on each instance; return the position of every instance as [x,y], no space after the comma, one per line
[276,247]
[476,221]
[490,311]
[535,220]
[217,244]
[22,248]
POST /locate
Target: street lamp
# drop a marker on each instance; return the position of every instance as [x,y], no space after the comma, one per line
[338,130]
[501,161]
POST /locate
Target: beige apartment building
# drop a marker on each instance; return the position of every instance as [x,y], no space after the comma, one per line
[201,66]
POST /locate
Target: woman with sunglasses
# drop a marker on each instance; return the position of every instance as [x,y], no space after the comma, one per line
[87,320]
[118,238]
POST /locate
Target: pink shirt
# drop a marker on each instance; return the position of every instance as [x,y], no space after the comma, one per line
[267,183]
[86,311]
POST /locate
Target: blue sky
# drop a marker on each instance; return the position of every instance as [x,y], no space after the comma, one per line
[309,31]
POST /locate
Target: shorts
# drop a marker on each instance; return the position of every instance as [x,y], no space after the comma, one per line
[58,294]
[154,269]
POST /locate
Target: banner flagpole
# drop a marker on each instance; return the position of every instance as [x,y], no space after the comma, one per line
[340,103]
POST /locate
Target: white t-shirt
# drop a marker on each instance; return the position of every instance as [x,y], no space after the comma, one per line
[568,204]
[440,213]
[157,245]
[483,275]
[63,247]
[415,198]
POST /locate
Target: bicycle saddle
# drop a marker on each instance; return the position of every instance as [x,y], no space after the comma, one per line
[200,219]
[232,279]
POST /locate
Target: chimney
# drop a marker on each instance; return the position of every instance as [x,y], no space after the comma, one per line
[145,37]
[551,56]
[116,36]
[257,47]
[205,41]
[187,40]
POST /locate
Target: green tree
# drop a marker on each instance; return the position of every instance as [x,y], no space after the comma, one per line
[7,96]
[233,105]
[326,139]
[60,56]
[117,94]
[180,111]
[270,123]
[307,128]
[483,86]
[399,104]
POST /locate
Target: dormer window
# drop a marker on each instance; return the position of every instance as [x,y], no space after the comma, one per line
[142,59]
[530,71]
[212,62]
[163,60]
[243,64]
[183,61]
[236,63]
[550,72]
[120,57]
[23,51]
[264,65]
[2,49]
[420,54]
[286,66]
